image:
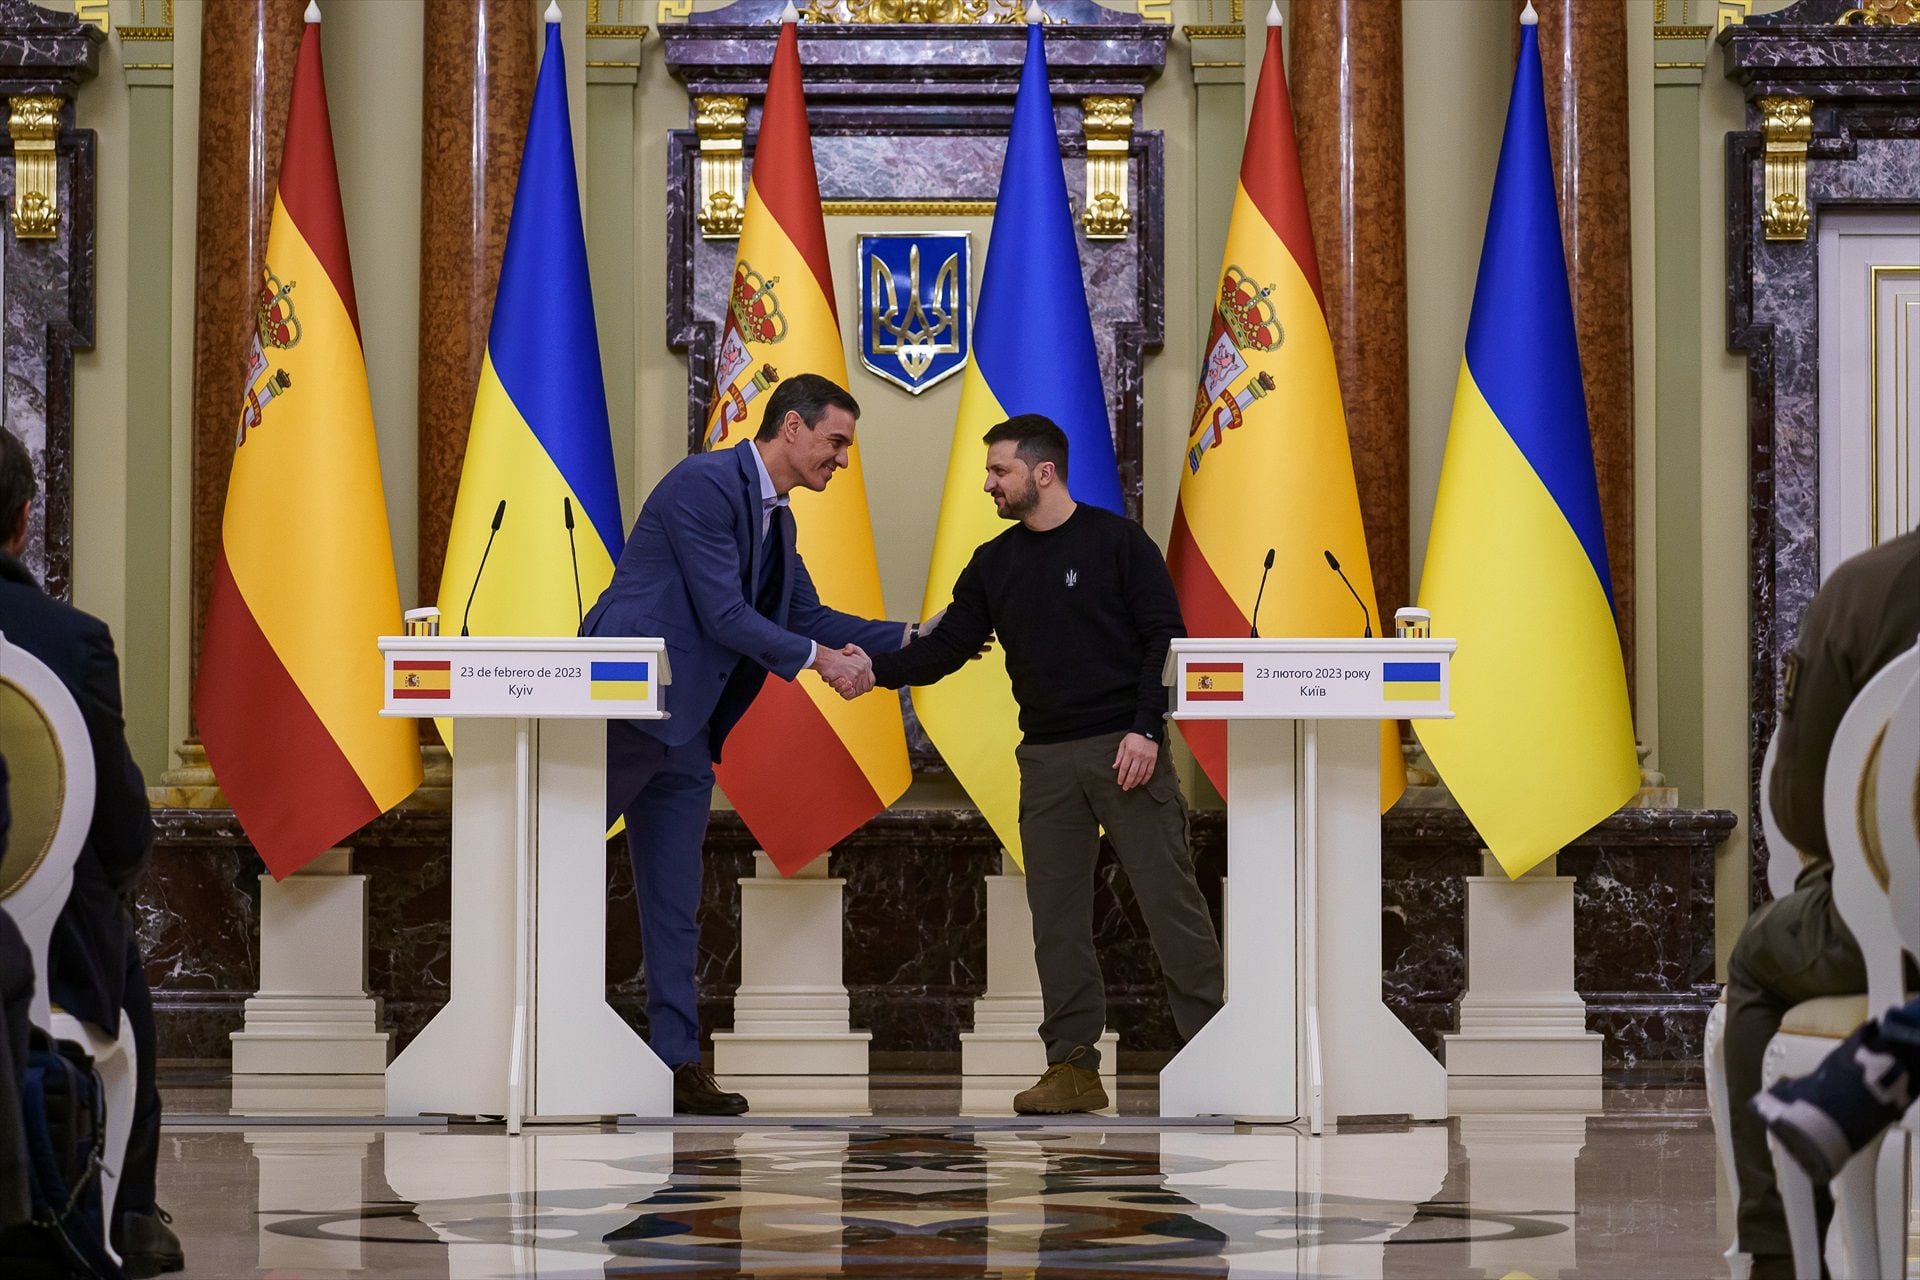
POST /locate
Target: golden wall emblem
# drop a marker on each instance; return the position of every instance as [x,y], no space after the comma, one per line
[915,323]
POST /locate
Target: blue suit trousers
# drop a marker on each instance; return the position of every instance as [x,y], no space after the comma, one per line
[666,833]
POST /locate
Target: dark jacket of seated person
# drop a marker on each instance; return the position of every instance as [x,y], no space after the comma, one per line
[1863,617]
[87,957]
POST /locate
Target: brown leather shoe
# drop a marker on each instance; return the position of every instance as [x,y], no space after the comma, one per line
[697,1093]
[1063,1088]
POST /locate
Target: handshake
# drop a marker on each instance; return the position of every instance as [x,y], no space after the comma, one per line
[848,672]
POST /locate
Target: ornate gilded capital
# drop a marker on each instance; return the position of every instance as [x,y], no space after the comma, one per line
[1786,128]
[720,123]
[1882,13]
[1107,123]
[34,125]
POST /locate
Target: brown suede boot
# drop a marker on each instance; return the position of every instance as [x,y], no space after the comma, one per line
[1064,1087]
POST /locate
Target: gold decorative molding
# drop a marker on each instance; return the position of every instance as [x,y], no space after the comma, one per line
[1787,127]
[1229,32]
[129,34]
[1881,13]
[931,12]
[98,12]
[720,122]
[675,10]
[34,125]
[1731,13]
[1905,308]
[1106,121]
[1157,11]
[607,31]
[907,208]
[1682,33]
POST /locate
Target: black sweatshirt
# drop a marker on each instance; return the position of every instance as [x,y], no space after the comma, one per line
[1084,612]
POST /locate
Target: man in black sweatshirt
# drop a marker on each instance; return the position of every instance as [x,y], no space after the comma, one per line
[1084,609]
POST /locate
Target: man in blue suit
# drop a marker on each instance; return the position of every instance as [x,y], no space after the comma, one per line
[711,568]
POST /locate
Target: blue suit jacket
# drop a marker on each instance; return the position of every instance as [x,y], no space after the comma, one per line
[687,575]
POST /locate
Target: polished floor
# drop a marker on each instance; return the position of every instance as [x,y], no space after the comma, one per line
[1524,1181]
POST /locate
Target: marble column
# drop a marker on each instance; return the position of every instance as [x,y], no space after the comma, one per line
[480,63]
[247,52]
[1583,58]
[1345,76]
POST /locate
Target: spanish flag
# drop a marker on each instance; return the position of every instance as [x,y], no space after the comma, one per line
[804,767]
[289,688]
[1267,465]
[540,442]
[1033,352]
[1541,744]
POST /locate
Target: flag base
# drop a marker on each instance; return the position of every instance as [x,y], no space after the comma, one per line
[1520,1015]
[791,1015]
[312,1017]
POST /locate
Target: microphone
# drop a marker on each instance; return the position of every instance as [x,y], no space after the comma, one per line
[566,504]
[1364,612]
[1254,632]
[499,514]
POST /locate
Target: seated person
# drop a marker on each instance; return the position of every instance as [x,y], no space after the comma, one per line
[94,970]
[1797,947]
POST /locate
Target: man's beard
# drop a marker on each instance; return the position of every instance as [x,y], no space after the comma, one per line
[1021,506]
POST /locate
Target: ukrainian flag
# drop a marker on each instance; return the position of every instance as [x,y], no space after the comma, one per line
[1033,352]
[618,681]
[540,439]
[1541,747]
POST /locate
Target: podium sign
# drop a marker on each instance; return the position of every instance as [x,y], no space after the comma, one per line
[527,1033]
[1311,679]
[1304,1033]
[543,676]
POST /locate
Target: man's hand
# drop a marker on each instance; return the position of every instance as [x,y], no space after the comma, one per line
[1135,761]
[848,671]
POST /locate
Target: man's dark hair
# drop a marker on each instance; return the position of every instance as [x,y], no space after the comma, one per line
[811,396]
[1036,440]
[16,482]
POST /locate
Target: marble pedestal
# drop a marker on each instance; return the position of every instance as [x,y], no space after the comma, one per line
[311,1042]
[792,1043]
[1004,1050]
[1520,1015]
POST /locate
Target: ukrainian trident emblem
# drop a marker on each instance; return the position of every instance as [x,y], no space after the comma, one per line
[1244,320]
[915,316]
[753,317]
[275,327]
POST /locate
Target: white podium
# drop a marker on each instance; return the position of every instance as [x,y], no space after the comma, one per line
[527,1033]
[1304,1033]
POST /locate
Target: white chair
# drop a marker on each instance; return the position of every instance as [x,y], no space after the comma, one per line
[50,796]
[1870,1210]
[1805,1028]
[1897,784]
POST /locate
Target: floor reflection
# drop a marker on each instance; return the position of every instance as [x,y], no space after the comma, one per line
[1624,1190]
